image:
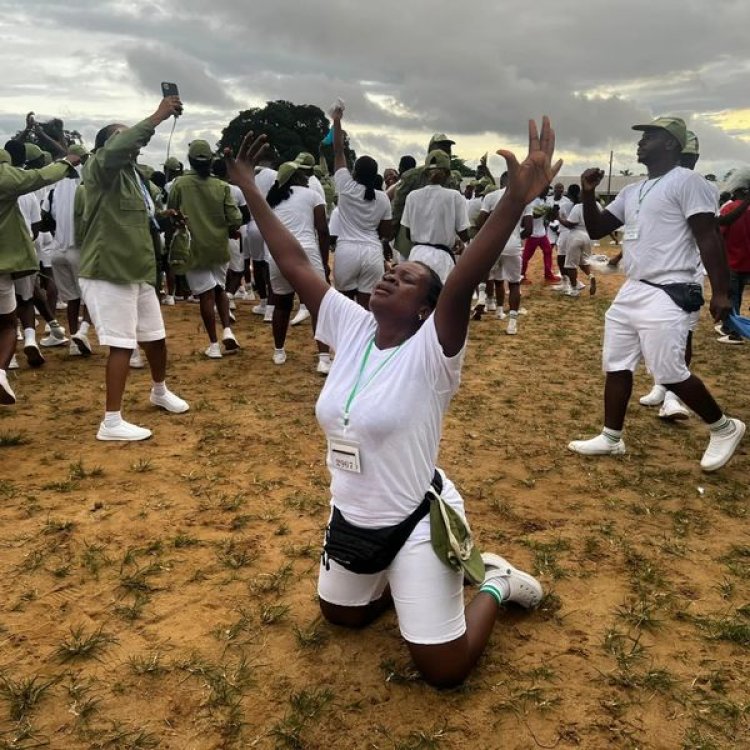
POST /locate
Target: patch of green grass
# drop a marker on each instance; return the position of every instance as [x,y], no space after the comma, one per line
[82,645]
[24,694]
[11,439]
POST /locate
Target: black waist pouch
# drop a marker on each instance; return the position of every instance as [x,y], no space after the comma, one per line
[687,296]
[371,550]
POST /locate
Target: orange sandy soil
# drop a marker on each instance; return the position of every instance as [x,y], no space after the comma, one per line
[162,594]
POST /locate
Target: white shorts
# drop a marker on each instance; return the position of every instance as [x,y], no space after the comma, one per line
[438,260]
[577,250]
[643,321]
[254,246]
[202,280]
[427,594]
[65,266]
[357,265]
[507,268]
[279,284]
[7,294]
[562,243]
[123,314]
[25,286]
[236,259]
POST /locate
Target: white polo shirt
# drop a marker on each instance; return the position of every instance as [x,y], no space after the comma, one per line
[434,214]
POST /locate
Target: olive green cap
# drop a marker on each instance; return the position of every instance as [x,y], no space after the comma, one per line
[675,126]
[33,152]
[47,157]
[4,157]
[146,170]
[200,151]
[691,146]
[305,160]
[439,138]
[438,159]
[286,171]
[173,163]
[78,150]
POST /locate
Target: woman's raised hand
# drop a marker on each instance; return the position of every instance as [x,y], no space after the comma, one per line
[241,168]
[527,179]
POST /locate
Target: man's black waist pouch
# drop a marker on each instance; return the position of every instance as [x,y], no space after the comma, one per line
[363,550]
[687,296]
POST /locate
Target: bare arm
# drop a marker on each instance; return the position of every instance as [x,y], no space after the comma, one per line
[339,155]
[527,226]
[57,149]
[386,230]
[525,180]
[324,237]
[714,259]
[598,223]
[285,249]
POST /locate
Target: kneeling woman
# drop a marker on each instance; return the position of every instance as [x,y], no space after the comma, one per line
[408,350]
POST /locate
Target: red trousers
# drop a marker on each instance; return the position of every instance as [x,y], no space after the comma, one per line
[532,243]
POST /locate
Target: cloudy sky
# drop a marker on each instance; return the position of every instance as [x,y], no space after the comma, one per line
[406,68]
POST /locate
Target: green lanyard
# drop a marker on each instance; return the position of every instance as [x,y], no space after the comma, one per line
[642,195]
[356,390]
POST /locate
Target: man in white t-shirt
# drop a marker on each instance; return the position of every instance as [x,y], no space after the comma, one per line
[534,231]
[255,248]
[433,217]
[669,228]
[507,268]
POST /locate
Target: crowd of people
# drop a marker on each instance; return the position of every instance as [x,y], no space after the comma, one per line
[389,270]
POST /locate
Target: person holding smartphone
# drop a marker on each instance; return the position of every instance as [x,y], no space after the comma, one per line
[118,267]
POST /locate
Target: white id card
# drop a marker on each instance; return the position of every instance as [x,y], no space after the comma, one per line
[344,455]
[631,232]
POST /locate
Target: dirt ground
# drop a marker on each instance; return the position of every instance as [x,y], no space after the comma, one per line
[162,594]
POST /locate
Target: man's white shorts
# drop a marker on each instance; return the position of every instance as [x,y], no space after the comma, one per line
[65,266]
[577,250]
[427,594]
[123,314]
[7,294]
[236,259]
[357,265]
[201,280]
[279,284]
[25,286]
[254,246]
[438,260]
[507,268]
[643,321]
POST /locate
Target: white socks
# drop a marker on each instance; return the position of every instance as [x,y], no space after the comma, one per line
[112,418]
[612,435]
[159,389]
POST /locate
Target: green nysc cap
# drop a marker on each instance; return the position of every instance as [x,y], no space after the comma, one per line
[47,158]
[4,157]
[200,151]
[305,160]
[438,159]
[173,163]
[453,542]
[439,138]
[286,170]
[675,126]
[78,149]
[691,146]
[33,152]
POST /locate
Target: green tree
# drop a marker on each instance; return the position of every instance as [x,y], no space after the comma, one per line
[458,164]
[290,128]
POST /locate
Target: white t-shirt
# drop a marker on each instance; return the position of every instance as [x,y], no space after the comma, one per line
[358,218]
[334,223]
[264,179]
[238,195]
[576,217]
[314,184]
[514,244]
[563,212]
[28,204]
[398,451]
[664,249]
[434,215]
[553,228]
[62,210]
[473,209]
[296,214]
[538,228]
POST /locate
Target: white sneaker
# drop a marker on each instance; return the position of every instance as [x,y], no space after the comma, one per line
[580,285]
[730,338]
[279,356]
[512,329]
[500,315]
[192,298]
[229,341]
[60,306]
[600,445]
[268,316]
[19,334]
[168,300]
[214,351]
[13,363]
[81,342]
[722,447]
[302,315]
[561,287]
[324,365]
[169,401]
[491,304]
[123,431]
[523,311]
[7,397]
[136,360]
[250,295]
[572,292]
[673,409]
[73,350]
[33,355]
[654,397]
[260,309]
[525,590]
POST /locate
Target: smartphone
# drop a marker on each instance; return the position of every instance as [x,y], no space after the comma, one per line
[169,89]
